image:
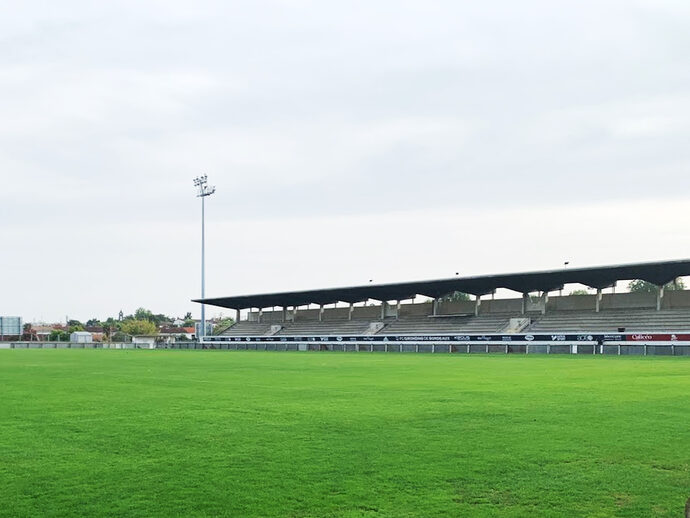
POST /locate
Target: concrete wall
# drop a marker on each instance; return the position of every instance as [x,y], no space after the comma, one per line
[628,301]
[572,303]
[312,314]
[458,307]
[367,312]
[501,305]
[414,310]
[676,299]
[671,300]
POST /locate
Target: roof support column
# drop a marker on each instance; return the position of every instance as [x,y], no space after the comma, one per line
[294,313]
[524,302]
[320,312]
[237,316]
[545,301]
[349,314]
[397,310]
[284,313]
[477,303]
[675,288]
[659,297]
[383,309]
[598,300]
[434,307]
[261,313]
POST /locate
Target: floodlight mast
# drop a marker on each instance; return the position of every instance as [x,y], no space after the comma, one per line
[203,190]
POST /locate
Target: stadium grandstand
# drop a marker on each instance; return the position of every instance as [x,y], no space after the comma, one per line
[389,317]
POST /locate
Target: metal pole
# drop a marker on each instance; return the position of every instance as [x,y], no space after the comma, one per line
[204,190]
[202,331]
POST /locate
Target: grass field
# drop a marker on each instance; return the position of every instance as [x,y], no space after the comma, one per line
[205,433]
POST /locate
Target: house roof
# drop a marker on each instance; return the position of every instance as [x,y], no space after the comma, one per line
[167,330]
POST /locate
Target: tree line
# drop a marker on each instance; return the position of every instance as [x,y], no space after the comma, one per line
[141,322]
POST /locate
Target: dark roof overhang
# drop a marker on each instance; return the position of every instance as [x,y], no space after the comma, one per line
[658,273]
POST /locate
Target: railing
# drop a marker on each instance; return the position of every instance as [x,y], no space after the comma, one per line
[588,344]
[448,348]
[553,343]
[74,345]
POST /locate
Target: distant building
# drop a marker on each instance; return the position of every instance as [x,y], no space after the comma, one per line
[97,332]
[170,334]
[42,332]
[11,327]
[81,337]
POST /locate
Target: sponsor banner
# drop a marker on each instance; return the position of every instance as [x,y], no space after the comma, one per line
[524,338]
[656,337]
[613,338]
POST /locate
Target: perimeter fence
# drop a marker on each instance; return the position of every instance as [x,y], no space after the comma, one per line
[391,347]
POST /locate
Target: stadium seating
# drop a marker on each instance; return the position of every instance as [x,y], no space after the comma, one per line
[416,319]
[246,328]
[333,327]
[611,320]
[460,324]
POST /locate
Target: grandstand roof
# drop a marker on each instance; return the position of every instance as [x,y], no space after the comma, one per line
[658,273]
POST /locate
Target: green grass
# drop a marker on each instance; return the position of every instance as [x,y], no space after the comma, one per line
[204,433]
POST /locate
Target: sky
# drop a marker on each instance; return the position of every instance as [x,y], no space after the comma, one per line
[348,141]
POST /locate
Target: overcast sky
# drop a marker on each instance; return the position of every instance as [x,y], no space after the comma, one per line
[384,140]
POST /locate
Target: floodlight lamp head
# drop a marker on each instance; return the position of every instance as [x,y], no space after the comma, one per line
[203,189]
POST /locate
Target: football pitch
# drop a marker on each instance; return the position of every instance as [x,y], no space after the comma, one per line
[210,433]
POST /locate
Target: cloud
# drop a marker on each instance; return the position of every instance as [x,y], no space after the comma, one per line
[370,117]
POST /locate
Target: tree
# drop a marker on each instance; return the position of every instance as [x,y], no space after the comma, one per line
[93,322]
[456,296]
[28,333]
[110,327]
[58,335]
[640,286]
[118,336]
[139,327]
[143,314]
[160,319]
[222,325]
[579,292]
